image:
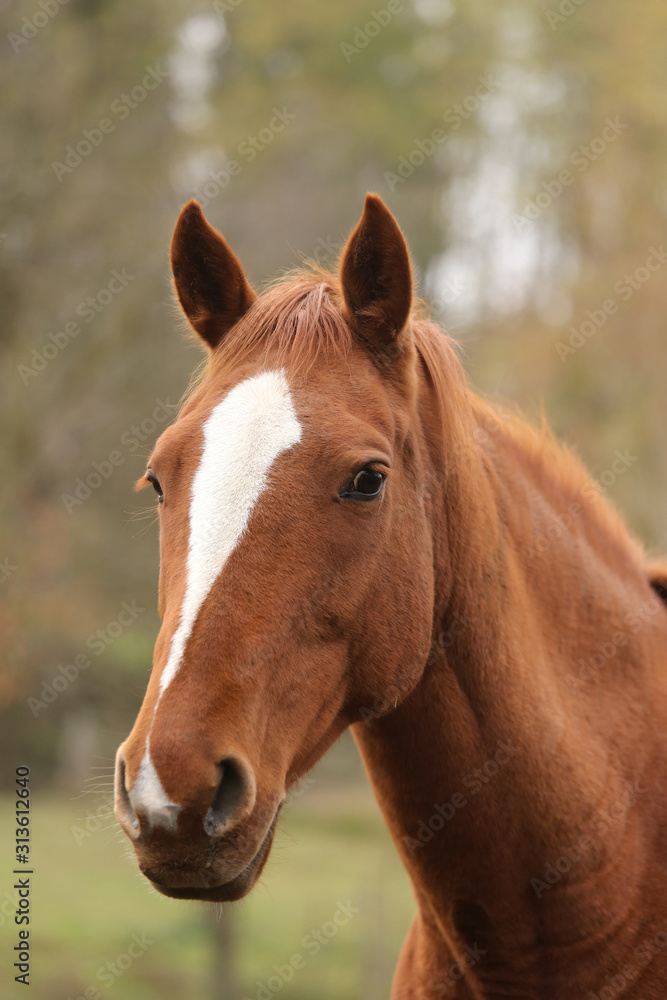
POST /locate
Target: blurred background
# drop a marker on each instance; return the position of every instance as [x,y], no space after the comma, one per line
[522,146]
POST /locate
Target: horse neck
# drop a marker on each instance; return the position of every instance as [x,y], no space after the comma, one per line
[490,767]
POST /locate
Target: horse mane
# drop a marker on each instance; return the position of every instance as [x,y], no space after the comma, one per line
[296,318]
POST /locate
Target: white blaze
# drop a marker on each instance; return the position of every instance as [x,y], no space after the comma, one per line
[243,436]
[148,796]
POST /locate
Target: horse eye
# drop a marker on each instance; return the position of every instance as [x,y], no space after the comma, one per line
[368,482]
[366,485]
[152,478]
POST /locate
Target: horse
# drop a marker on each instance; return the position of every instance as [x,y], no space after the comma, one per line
[350,536]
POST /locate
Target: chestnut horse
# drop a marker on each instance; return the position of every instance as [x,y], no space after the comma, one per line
[349,536]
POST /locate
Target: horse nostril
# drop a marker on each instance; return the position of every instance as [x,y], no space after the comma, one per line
[234,798]
[125,814]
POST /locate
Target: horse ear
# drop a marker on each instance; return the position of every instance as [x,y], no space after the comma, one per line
[376,276]
[208,277]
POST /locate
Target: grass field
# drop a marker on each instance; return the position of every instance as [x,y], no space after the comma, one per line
[88,901]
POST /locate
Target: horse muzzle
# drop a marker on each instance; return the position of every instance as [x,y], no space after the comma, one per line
[211,846]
